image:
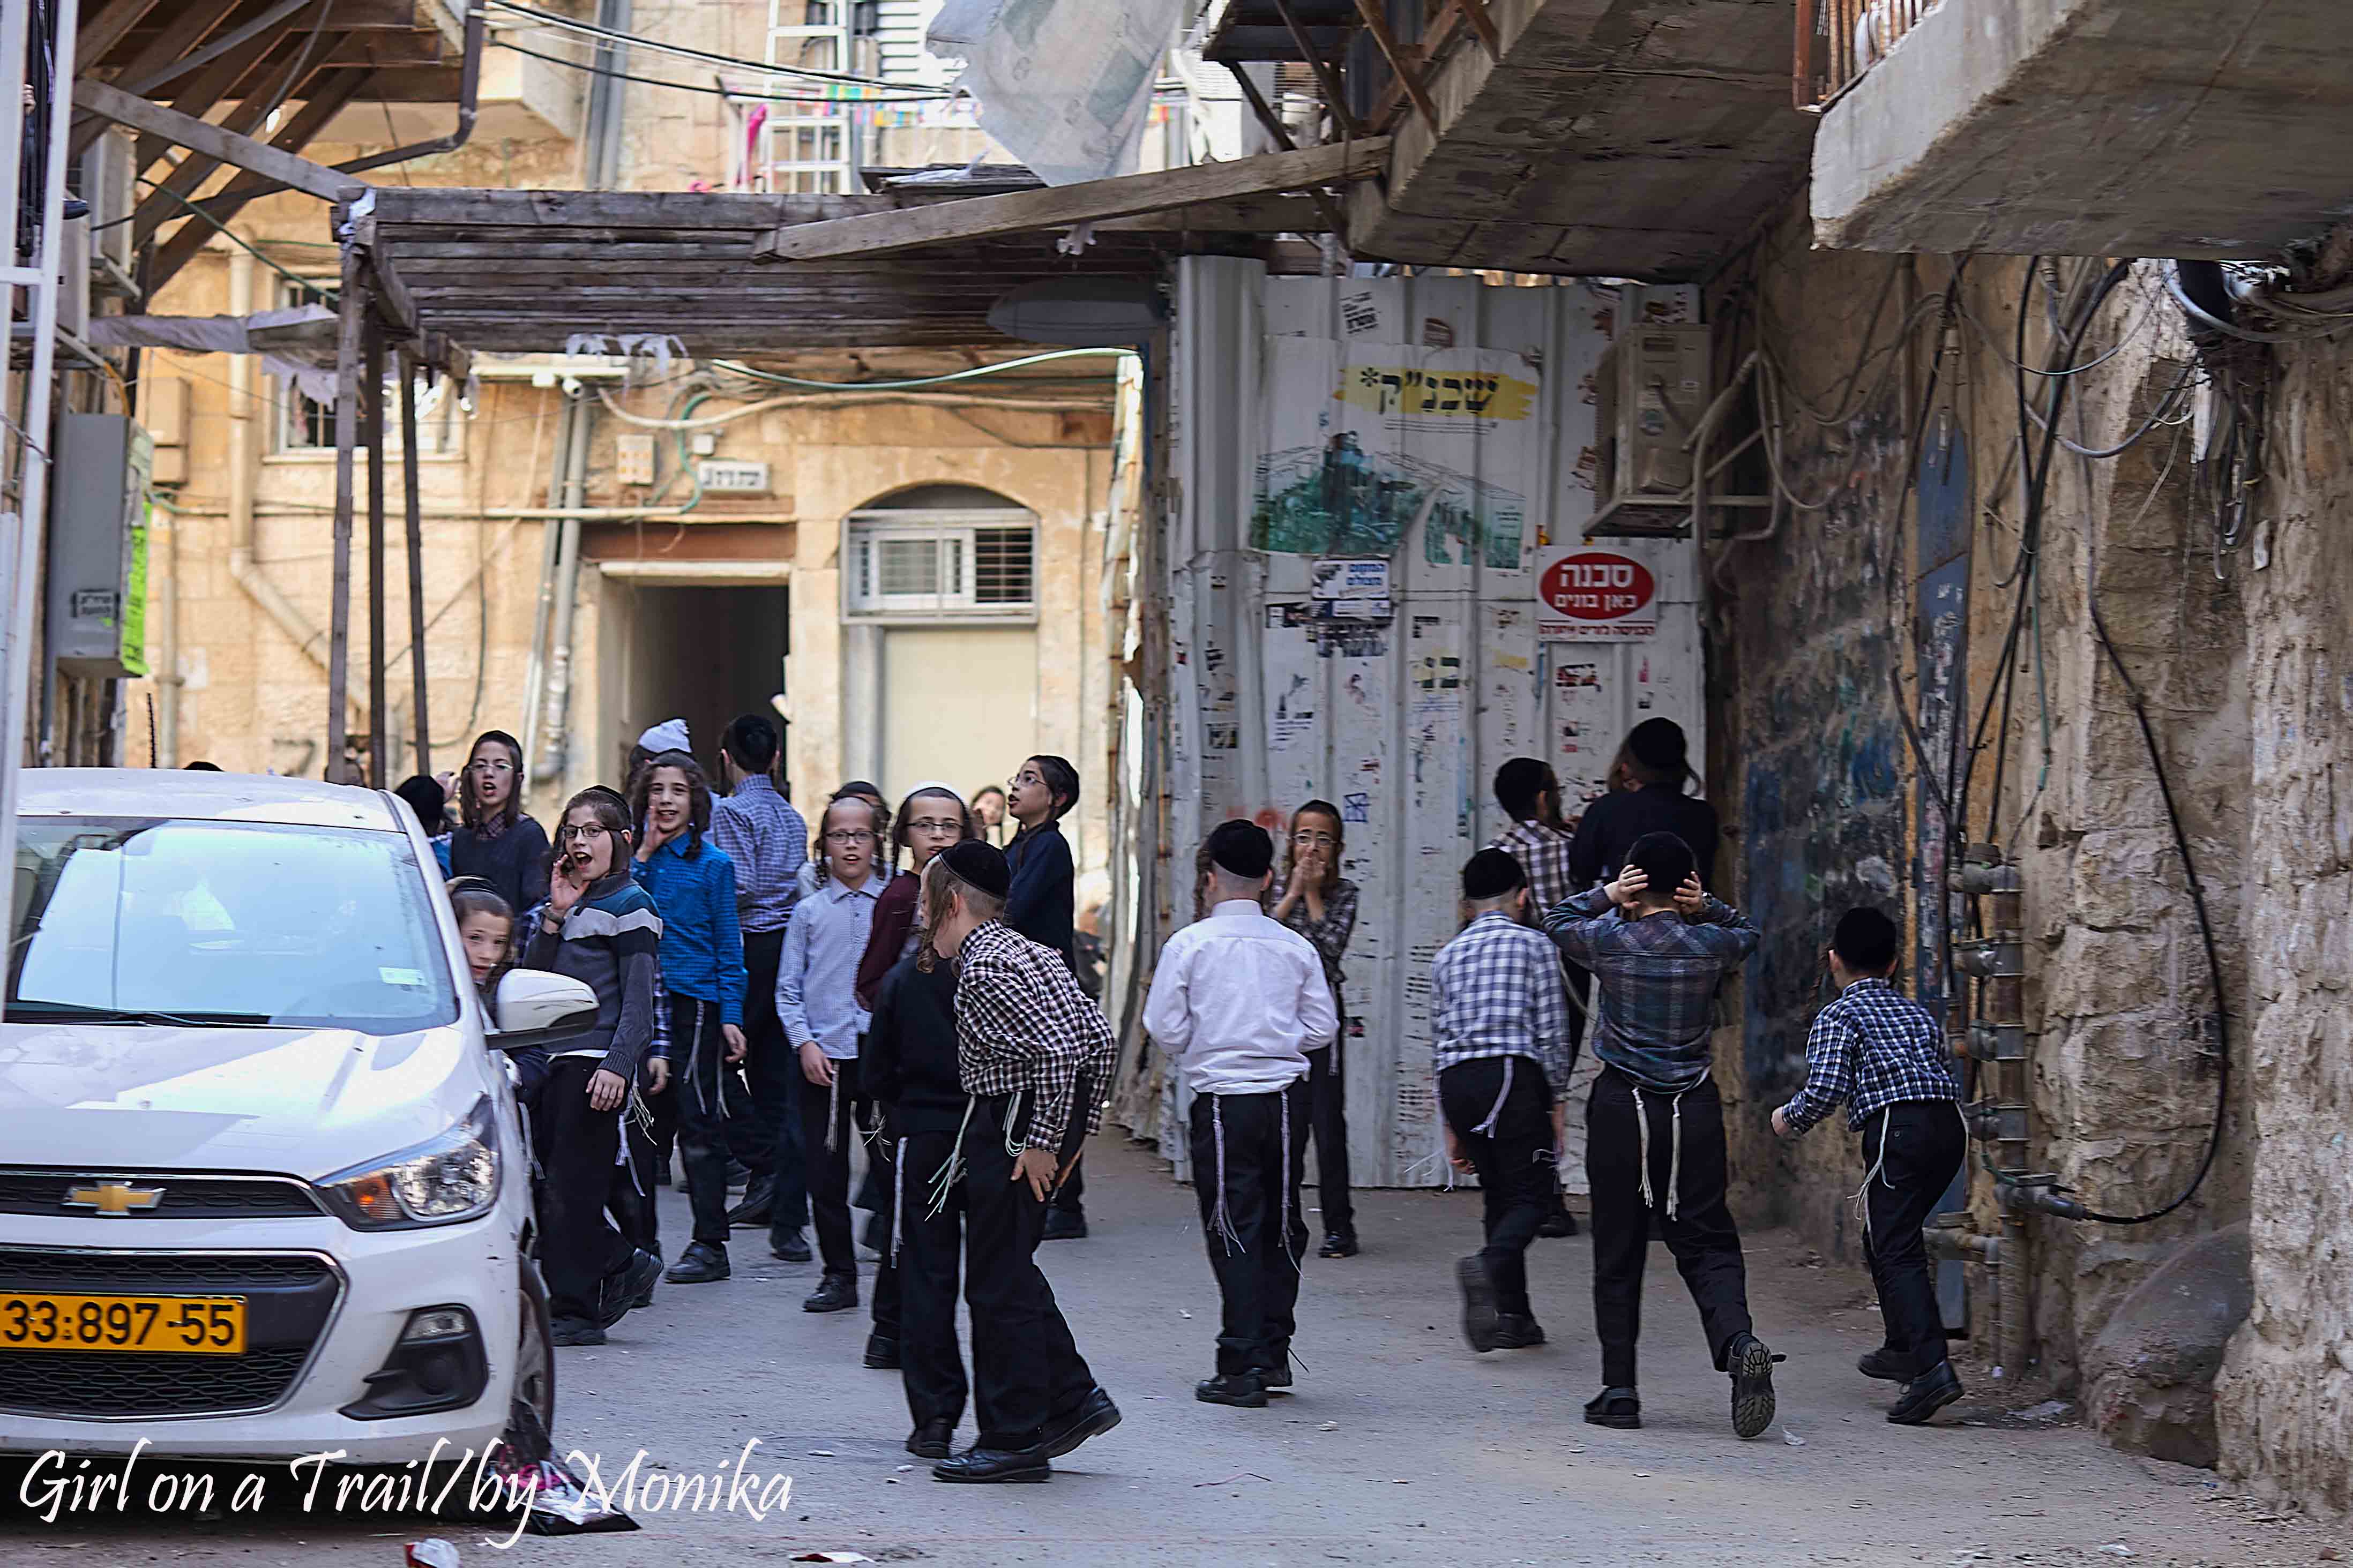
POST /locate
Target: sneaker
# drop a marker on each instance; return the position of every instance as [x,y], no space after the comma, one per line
[626,1287]
[1617,1407]
[1062,1225]
[1338,1244]
[1885,1363]
[1242,1389]
[1479,1317]
[574,1332]
[1751,1366]
[701,1264]
[1517,1331]
[834,1293]
[793,1249]
[1926,1394]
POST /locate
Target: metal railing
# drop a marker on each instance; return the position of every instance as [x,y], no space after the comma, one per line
[1838,40]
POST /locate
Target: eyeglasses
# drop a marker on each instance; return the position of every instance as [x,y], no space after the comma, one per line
[582,830]
[1311,836]
[1026,776]
[931,824]
[847,836]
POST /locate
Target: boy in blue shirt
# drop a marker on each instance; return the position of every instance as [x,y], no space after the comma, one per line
[1883,1054]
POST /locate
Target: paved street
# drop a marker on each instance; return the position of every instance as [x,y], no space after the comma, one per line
[1400,1445]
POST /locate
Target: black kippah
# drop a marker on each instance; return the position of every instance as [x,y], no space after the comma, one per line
[1490,874]
[1241,849]
[982,865]
[1659,744]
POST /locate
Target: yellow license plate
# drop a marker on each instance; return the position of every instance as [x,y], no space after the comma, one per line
[192,1325]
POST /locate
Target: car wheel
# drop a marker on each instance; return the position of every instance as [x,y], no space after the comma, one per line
[534,1415]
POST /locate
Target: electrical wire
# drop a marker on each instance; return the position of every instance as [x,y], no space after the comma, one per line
[585,68]
[309,284]
[2206,319]
[571,25]
[780,379]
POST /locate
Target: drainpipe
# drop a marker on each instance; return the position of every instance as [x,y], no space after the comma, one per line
[566,593]
[244,470]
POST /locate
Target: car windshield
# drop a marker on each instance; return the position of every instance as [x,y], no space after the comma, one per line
[168,920]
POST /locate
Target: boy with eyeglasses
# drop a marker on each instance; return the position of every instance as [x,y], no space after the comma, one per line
[817,1002]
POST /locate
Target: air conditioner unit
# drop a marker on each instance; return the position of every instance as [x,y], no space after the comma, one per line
[97,546]
[109,185]
[1652,391]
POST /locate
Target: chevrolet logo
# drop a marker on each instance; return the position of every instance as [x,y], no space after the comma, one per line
[113,1200]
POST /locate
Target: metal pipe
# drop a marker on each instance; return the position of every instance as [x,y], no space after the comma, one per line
[567,600]
[379,732]
[353,302]
[410,484]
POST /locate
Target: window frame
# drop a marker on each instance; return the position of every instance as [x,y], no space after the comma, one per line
[868,527]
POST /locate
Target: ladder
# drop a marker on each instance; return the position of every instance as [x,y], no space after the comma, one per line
[811,148]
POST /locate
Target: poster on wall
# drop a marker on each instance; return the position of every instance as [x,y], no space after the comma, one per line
[1365,441]
[1589,593]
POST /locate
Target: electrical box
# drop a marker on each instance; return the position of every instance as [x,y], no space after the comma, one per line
[97,546]
[731,476]
[1653,387]
[633,457]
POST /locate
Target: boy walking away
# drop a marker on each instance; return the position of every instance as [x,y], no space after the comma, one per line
[1043,907]
[1883,1054]
[1658,947]
[1033,1053]
[1502,1052]
[1240,999]
[1539,839]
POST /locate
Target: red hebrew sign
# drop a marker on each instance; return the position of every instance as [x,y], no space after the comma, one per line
[1598,592]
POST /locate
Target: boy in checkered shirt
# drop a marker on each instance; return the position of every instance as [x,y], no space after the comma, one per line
[1502,1052]
[1883,1054]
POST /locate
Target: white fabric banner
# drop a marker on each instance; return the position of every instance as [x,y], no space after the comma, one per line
[1066,85]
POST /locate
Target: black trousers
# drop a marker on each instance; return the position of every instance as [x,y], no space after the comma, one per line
[768,1141]
[1913,1148]
[928,1261]
[1327,1117]
[828,1130]
[1070,1197]
[884,1182]
[629,1199]
[701,1076]
[1247,1153]
[1026,1368]
[577,1250]
[1500,1111]
[1687,1197]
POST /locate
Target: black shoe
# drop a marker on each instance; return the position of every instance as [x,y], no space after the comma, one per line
[1517,1331]
[1886,1365]
[1479,1320]
[794,1248]
[1557,1224]
[978,1464]
[1277,1375]
[739,1175]
[1338,1244]
[1926,1394]
[1237,1388]
[1751,1366]
[1095,1415]
[645,1297]
[882,1353]
[930,1440]
[759,1200]
[834,1293]
[628,1287]
[1618,1407]
[700,1264]
[574,1332]
[1063,1226]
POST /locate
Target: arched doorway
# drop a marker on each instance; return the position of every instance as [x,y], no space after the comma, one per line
[940,616]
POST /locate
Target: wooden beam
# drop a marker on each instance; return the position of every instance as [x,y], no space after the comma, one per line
[1482,22]
[410,497]
[1324,207]
[212,141]
[197,96]
[1399,61]
[1336,95]
[109,27]
[183,32]
[328,96]
[253,110]
[1092,200]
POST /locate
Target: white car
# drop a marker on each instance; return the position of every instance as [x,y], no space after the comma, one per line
[264,1187]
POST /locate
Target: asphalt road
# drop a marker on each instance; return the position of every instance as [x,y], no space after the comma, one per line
[1398,1446]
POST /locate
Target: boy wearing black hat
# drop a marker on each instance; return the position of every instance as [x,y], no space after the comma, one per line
[1240,999]
[1034,1054]
[1656,762]
[1502,1052]
[1658,947]
[1883,1054]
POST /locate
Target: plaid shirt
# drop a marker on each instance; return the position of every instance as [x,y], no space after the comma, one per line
[1329,936]
[1872,1047]
[1495,991]
[768,842]
[1657,978]
[1022,1023]
[1543,854]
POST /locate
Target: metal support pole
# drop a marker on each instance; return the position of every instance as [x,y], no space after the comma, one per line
[339,605]
[409,492]
[379,725]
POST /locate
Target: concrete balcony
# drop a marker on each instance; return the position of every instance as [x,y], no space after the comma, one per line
[2173,128]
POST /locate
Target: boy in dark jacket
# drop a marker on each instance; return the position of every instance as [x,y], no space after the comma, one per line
[1042,906]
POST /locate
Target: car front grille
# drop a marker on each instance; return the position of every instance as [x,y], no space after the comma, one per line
[44,1192]
[289,1300]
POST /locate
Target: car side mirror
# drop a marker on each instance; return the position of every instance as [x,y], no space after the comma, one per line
[535,1008]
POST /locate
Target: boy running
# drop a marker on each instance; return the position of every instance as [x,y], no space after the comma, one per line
[1883,1054]
[1658,947]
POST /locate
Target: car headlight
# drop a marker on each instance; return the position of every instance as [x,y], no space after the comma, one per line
[445,1179]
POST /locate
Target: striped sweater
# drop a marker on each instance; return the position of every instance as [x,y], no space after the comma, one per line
[608,939]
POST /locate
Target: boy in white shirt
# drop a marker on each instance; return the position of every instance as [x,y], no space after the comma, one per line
[1239,999]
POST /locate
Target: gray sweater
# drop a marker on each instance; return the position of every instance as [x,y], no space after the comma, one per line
[608,939]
